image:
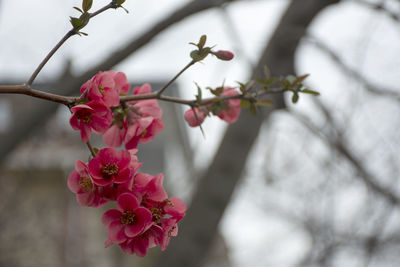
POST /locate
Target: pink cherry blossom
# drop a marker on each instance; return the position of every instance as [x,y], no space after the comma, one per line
[140,244]
[150,187]
[110,166]
[142,130]
[232,112]
[102,86]
[93,116]
[121,82]
[128,221]
[114,136]
[143,119]
[191,119]
[80,183]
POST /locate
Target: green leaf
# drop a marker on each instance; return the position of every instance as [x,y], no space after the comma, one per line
[253,109]
[271,80]
[77,8]
[300,79]
[217,91]
[199,94]
[86,5]
[198,55]
[118,2]
[202,41]
[76,23]
[265,103]
[295,97]
[308,91]
[261,81]
[245,103]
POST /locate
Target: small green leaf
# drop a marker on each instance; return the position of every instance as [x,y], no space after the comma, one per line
[261,81]
[202,41]
[265,103]
[118,2]
[76,23]
[77,8]
[87,5]
[217,91]
[96,150]
[308,91]
[300,79]
[199,94]
[295,97]
[198,55]
[253,109]
[245,103]
[271,80]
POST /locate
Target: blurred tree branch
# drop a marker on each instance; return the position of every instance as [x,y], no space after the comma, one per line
[337,142]
[216,186]
[379,7]
[374,89]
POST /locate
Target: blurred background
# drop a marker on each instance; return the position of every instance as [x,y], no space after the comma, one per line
[311,184]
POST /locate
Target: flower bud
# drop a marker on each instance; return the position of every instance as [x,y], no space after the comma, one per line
[223,55]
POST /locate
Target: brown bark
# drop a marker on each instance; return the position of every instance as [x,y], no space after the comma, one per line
[214,190]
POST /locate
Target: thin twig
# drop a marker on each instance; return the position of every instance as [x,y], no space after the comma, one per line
[175,77]
[49,55]
[89,145]
[101,10]
[26,90]
[69,34]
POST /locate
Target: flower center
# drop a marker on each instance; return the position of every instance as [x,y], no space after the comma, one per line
[84,116]
[128,218]
[157,214]
[85,183]
[101,89]
[109,170]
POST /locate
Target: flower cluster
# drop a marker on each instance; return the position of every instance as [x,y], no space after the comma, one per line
[228,110]
[145,217]
[100,112]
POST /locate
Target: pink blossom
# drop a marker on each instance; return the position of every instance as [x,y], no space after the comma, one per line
[191,119]
[139,245]
[80,183]
[121,82]
[102,86]
[232,112]
[93,116]
[150,187]
[128,221]
[175,207]
[142,131]
[110,166]
[143,119]
[112,191]
[224,55]
[114,136]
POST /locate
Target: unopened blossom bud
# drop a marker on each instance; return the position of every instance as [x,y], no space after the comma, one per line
[223,55]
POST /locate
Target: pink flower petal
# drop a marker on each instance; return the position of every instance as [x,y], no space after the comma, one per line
[127,201]
[111,216]
[116,232]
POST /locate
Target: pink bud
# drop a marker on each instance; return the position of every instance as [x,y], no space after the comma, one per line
[224,55]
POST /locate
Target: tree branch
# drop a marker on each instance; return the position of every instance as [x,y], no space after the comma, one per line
[374,89]
[339,145]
